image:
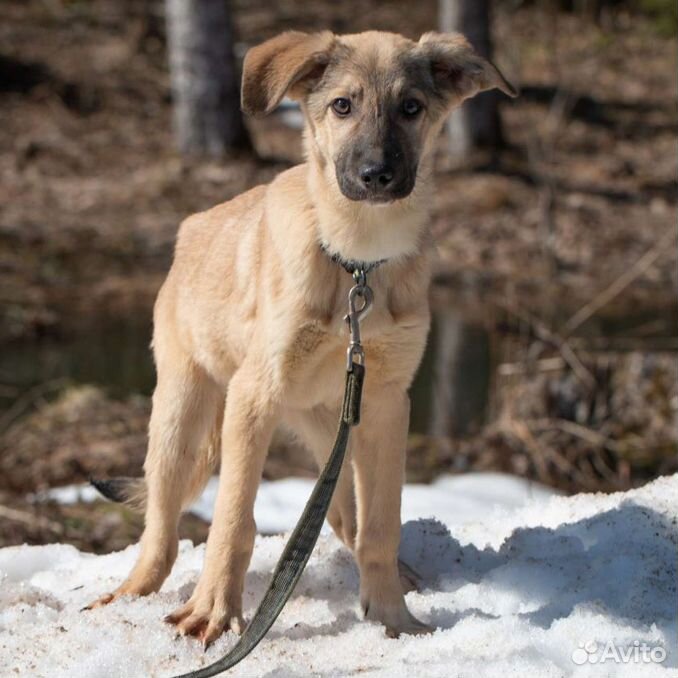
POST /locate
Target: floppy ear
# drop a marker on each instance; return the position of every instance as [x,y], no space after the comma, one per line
[291,63]
[458,70]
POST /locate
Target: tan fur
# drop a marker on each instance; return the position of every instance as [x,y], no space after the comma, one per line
[252,309]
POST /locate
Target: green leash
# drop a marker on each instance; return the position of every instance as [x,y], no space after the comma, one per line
[302,541]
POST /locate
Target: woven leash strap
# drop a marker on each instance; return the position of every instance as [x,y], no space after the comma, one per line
[302,541]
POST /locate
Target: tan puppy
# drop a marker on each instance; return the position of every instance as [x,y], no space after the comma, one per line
[249,329]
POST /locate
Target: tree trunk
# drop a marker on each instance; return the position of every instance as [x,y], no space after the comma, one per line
[476,123]
[449,329]
[461,376]
[204,77]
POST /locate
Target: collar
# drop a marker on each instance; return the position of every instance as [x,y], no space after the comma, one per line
[352,265]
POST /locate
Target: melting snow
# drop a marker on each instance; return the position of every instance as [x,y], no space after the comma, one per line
[517,582]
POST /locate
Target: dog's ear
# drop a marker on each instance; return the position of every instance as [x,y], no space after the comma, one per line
[458,70]
[289,64]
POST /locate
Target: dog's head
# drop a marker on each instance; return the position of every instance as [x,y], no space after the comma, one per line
[373,102]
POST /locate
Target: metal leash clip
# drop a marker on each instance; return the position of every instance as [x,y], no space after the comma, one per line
[363,292]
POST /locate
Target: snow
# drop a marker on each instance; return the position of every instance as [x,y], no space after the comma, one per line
[451,499]
[531,587]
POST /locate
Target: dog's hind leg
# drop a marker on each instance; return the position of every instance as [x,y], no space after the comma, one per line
[317,428]
[183,446]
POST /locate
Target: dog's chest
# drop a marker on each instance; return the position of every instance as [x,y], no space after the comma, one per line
[315,365]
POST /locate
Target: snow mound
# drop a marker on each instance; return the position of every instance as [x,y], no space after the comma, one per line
[581,586]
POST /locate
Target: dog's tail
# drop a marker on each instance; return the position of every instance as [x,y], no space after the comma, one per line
[133,491]
[123,490]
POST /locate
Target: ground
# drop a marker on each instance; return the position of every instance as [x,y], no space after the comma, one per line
[559,586]
[92,191]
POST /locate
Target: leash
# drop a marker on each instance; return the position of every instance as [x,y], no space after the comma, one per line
[302,541]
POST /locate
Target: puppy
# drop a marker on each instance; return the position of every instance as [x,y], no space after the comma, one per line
[249,329]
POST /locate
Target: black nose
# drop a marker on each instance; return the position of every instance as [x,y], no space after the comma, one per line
[376,175]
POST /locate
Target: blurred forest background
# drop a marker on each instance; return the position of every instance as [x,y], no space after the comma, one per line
[553,348]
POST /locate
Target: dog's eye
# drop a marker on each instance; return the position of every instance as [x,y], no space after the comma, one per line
[411,107]
[341,106]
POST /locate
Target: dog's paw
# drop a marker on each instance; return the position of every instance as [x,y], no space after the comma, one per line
[146,577]
[101,602]
[395,617]
[126,589]
[141,582]
[410,627]
[206,616]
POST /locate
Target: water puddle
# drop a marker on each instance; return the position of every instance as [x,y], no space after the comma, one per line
[451,395]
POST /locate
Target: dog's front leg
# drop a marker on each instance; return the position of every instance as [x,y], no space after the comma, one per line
[249,420]
[379,462]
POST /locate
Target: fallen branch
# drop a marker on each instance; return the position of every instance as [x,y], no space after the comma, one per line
[540,453]
[23,402]
[620,284]
[29,519]
[550,337]
[579,431]
[522,367]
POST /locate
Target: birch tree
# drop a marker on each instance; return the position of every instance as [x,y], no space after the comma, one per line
[204,77]
[476,122]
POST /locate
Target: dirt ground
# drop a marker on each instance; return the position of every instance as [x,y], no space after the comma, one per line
[92,191]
